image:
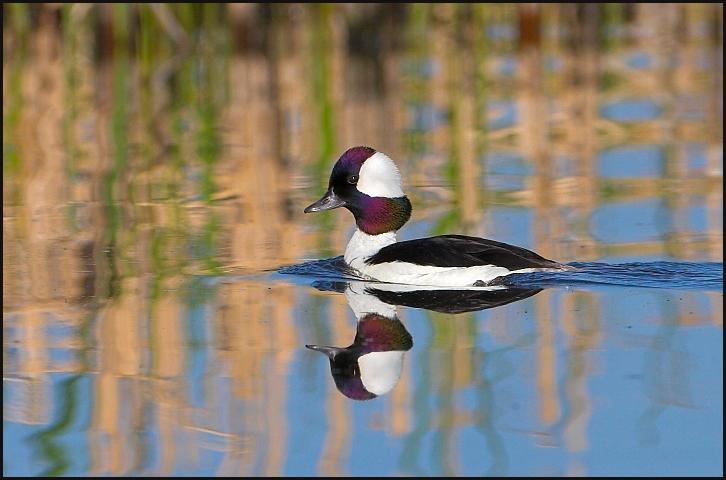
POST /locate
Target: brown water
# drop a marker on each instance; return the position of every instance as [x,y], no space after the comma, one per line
[156,161]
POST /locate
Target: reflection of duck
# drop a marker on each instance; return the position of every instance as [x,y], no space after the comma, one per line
[372,364]
[450,301]
[368,184]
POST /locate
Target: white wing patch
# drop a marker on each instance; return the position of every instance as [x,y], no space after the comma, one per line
[379,177]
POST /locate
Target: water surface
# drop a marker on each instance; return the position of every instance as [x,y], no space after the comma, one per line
[161,283]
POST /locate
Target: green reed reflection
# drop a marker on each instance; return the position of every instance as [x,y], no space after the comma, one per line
[48,439]
[322,79]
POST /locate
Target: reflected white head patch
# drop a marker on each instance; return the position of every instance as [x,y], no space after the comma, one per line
[380,371]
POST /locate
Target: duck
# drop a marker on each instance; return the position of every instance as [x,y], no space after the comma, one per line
[371,366]
[368,184]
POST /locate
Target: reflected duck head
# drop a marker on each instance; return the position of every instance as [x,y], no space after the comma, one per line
[372,365]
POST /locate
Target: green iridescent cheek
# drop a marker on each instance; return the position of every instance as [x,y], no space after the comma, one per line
[379,215]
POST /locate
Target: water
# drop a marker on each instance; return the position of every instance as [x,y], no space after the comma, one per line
[668,275]
[161,282]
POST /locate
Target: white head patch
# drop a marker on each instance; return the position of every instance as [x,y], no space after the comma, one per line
[380,371]
[379,177]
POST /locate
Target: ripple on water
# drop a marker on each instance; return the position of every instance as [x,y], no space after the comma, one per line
[669,275]
[330,268]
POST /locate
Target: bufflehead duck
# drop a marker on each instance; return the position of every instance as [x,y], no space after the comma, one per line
[368,183]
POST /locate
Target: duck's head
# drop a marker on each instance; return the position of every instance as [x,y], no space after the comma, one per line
[372,365]
[367,183]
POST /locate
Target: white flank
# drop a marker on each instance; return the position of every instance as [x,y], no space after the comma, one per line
[413,274]
[379,177]
[380,371]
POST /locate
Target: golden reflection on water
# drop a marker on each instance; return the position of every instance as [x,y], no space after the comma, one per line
[137,158]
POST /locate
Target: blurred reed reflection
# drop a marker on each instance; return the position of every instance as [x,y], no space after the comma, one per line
[149,149]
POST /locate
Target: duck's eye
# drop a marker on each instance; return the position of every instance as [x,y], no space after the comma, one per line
[353,179]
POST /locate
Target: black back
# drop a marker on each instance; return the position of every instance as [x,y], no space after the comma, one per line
[460,251]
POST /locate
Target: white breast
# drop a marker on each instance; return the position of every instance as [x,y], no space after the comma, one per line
[361,246]
[413,274]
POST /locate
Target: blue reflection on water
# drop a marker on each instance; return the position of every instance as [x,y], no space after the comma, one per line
[636,221]
[639,60]
[631,161]
[502,114]
[631,110]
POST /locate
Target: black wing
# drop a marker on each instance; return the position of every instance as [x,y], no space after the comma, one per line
[460,251]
